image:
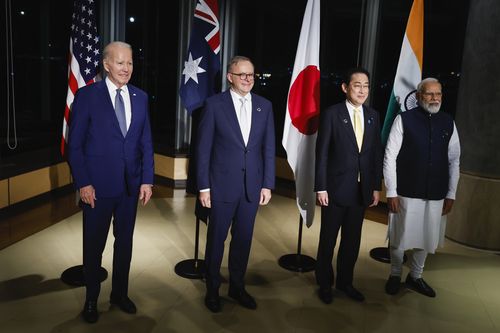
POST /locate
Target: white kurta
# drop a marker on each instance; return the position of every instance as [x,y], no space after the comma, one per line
[419,223]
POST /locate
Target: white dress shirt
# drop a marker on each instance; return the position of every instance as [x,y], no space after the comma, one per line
[237,106]
[126,99]
[350,109]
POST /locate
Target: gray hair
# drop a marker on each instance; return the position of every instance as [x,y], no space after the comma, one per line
[235,60]
[105,52]
[420,86]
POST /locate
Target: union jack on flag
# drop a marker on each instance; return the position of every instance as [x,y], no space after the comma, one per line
[203,63]
[84,55]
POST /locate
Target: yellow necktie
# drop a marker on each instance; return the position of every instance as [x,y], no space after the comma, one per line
[358,128]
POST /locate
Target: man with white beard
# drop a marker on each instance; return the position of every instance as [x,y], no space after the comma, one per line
[421,171]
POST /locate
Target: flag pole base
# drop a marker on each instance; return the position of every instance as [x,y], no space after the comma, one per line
[191,268]
[383,254]
[297,263]
[73,276]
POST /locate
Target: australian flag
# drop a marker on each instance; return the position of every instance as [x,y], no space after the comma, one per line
[203,63]
[199,77]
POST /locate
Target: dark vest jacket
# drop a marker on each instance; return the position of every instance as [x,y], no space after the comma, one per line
[422,162]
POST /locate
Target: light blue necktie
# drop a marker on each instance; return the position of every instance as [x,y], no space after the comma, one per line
[120,112]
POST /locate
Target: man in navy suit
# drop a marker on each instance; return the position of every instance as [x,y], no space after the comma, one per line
[110,153]
[235,171]
[348,179]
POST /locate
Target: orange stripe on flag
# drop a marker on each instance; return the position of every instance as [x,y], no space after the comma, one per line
[415,30]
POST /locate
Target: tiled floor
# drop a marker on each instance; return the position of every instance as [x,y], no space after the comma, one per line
[33,299]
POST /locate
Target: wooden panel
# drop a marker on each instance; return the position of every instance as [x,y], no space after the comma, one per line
[170,167]
[4,193]
[181,168]
[33,183]
[164,166]
[283,170]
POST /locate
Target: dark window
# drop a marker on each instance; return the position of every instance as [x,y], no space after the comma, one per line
[154,35]
[270,37]
[444,30]
[40,39]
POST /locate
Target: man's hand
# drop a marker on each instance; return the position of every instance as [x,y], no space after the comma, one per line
[205,199]
[265,196]
[376,198]
[145,193]
[87,195]
[447,205]
[322,198]
[393,204]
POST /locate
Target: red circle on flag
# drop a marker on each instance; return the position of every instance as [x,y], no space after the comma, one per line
[303,101]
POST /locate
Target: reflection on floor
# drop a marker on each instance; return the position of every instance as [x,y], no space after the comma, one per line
[33,299]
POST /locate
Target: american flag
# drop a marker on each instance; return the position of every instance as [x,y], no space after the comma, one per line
[203,63]
[84,55]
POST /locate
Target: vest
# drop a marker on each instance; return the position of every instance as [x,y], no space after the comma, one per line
[422,162]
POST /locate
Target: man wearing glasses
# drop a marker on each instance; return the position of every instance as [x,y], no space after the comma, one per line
[348,179]
[235,156]
[421,171]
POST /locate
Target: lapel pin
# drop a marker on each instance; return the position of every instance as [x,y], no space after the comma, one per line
[134,94]
[258,110]
[370,120]
[345,121]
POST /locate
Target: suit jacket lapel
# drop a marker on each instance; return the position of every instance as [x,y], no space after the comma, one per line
[368,131]
[345,120]
[255,113]
[133,106]
[228,107]
[108,104]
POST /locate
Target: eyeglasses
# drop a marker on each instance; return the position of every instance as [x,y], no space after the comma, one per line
[244,76]
[432,94]
[358,87]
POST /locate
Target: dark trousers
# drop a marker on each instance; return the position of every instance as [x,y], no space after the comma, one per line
[96,223]
[240,216]
[349,220]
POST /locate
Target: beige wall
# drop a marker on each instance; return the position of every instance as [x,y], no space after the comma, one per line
[170,167]
[31,184]
[4,193]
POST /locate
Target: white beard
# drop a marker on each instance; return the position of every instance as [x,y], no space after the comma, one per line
[431,108]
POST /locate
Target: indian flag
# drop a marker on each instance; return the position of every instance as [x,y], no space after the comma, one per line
[409,72]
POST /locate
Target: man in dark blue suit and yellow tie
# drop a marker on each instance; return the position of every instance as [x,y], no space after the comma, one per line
[110,153]
[235,171]
[348,179]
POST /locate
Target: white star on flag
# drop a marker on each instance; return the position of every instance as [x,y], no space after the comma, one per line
[191,69]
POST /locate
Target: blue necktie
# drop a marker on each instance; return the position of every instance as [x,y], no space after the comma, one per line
[120,112]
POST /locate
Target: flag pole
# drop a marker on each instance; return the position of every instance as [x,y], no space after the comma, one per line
[80,73]
[408,75]
[192,268]
[298,262]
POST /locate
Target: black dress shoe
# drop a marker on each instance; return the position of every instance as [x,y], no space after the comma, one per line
[89,312]
[352,292]
[124,303]
[212,302]
[244,298]
[325,295]
[393,285]
[420,286]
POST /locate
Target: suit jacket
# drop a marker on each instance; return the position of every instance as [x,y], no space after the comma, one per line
[223,163]
[98,154]
[338,160]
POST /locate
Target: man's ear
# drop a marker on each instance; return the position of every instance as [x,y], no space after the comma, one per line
[344,88]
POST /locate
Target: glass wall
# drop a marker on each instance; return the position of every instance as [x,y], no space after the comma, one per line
[266,31]
[444,30]
[40,41]
[152,28]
